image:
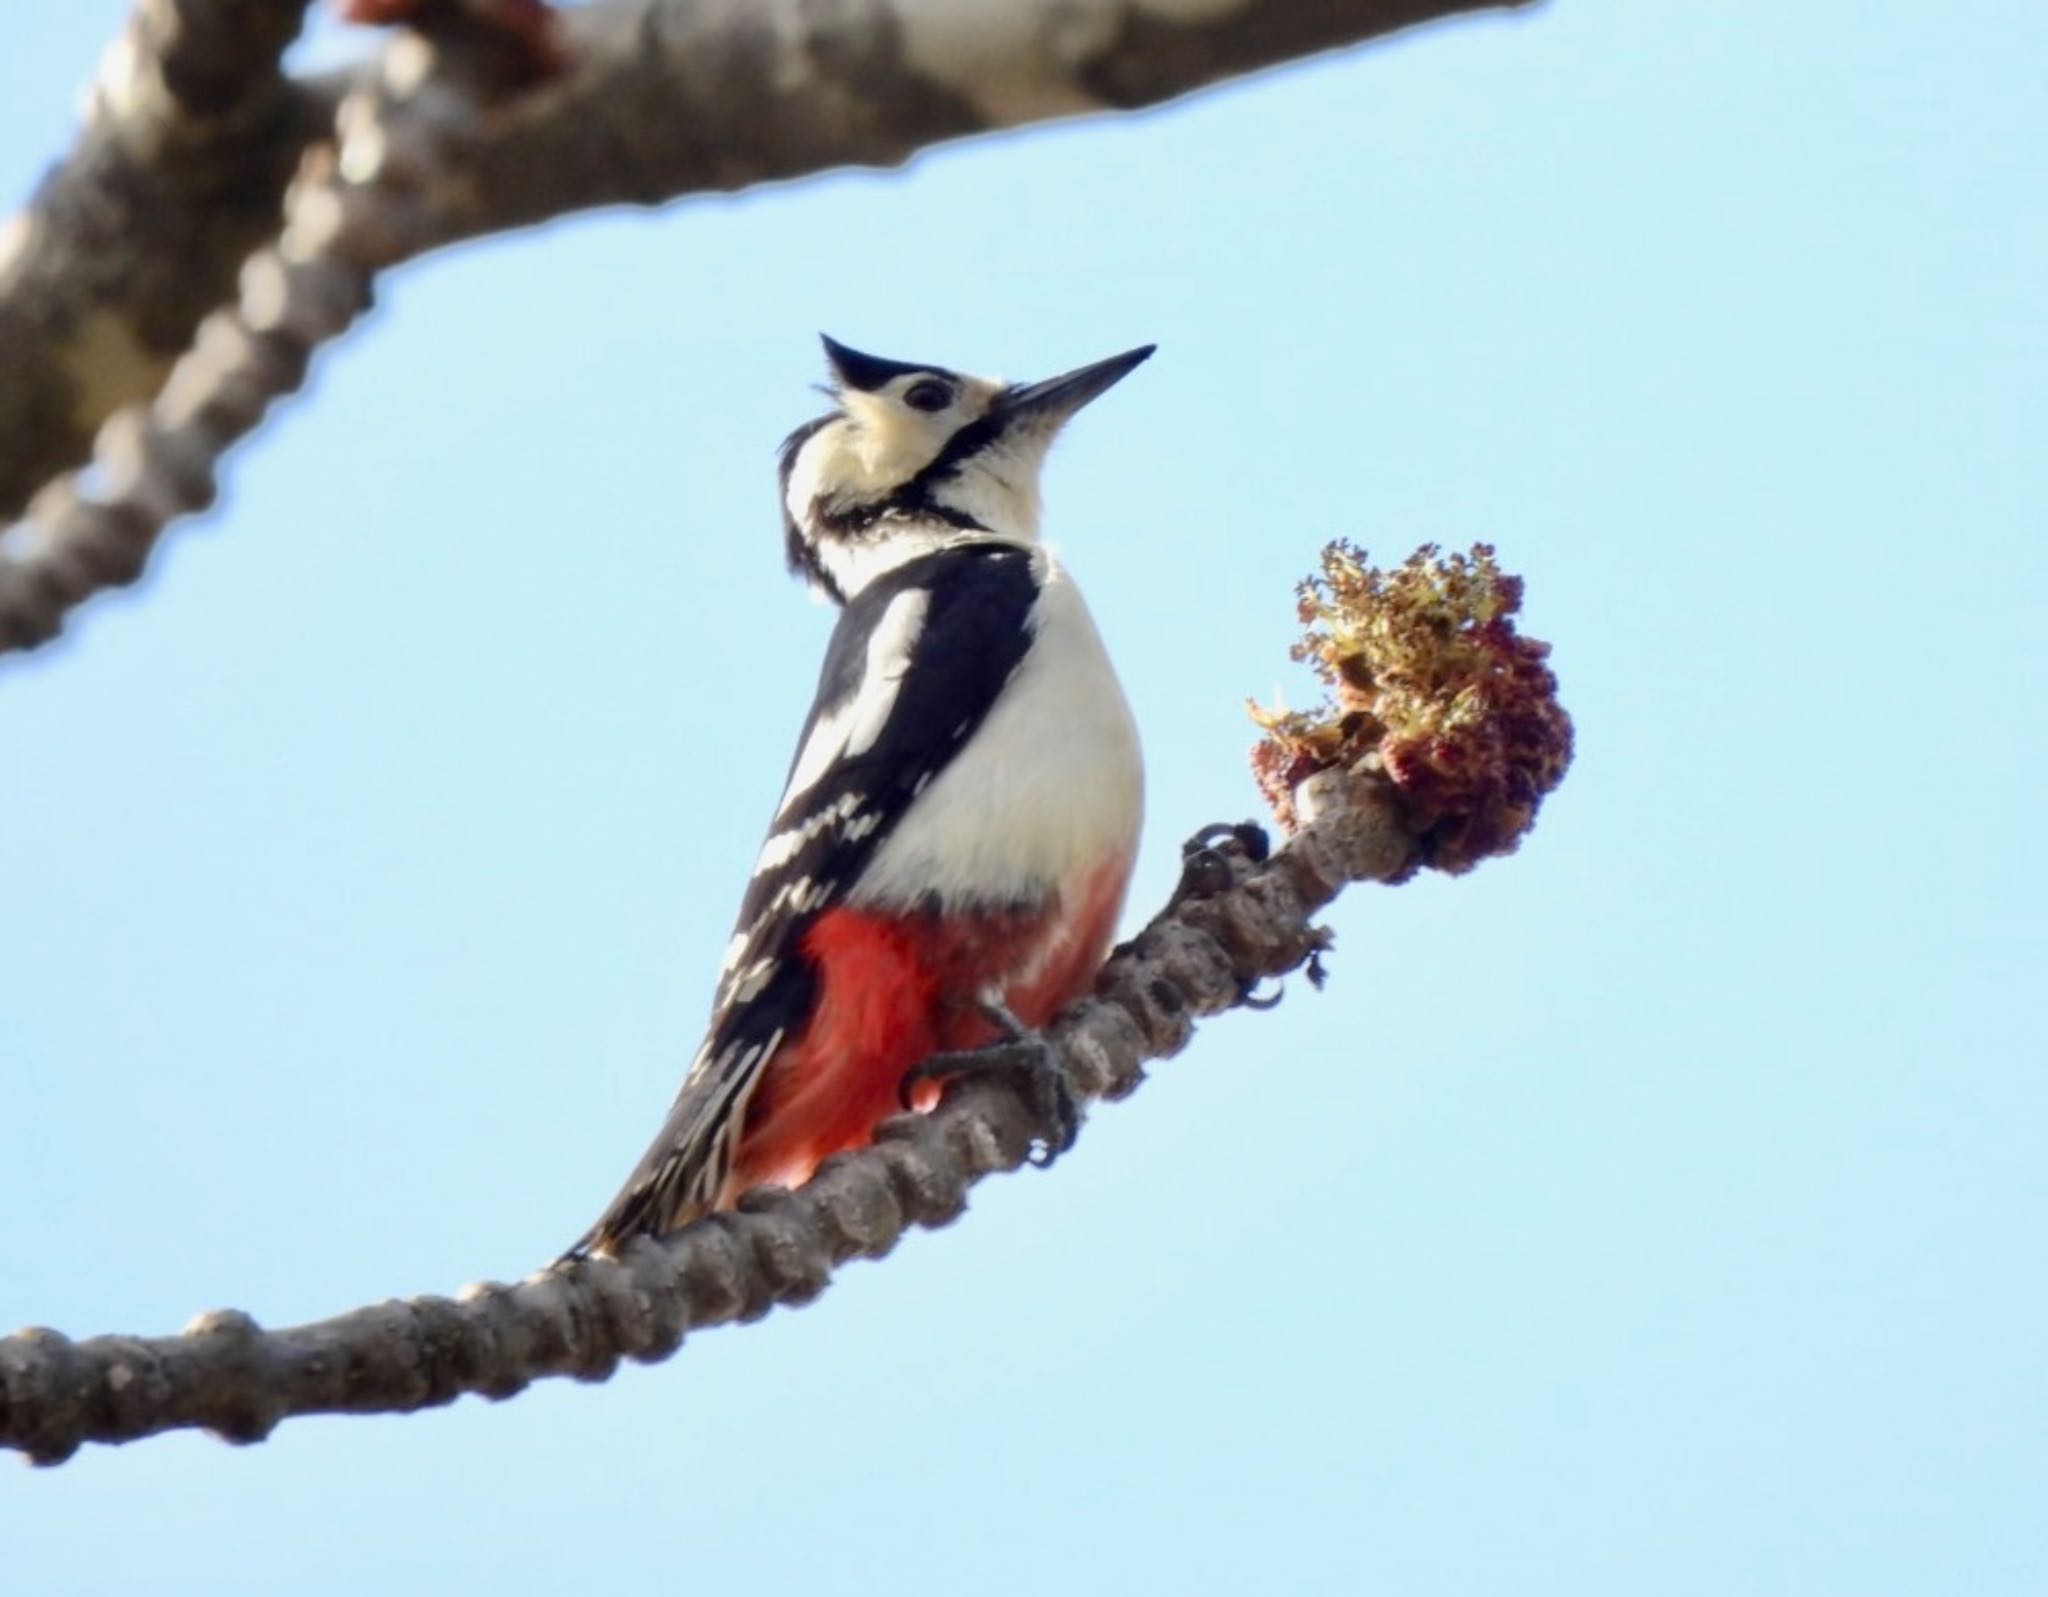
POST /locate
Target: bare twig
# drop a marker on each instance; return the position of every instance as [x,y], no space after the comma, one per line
[1234,921]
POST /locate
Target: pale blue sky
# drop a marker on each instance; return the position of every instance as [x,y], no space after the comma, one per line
[1660,1210]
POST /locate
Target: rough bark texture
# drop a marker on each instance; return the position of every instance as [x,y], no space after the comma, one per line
[193,137]
[190,134]
[1234,921]
[356,205]
[671,98]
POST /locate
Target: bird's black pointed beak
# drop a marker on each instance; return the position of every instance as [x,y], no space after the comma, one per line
[1056,398]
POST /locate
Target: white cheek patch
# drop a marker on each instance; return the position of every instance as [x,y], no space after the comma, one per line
[853,727]
[891,441]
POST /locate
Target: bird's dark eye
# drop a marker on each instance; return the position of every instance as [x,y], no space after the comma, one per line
[928,395]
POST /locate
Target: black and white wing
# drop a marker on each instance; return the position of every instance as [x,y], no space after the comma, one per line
[916,662]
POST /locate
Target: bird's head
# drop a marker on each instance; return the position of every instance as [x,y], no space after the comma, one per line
[915,457]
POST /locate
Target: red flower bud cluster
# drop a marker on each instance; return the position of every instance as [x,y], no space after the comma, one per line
[1430,682]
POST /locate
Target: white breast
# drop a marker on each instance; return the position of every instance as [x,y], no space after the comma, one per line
[1049,787]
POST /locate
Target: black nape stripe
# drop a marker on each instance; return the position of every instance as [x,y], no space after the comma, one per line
[803,560]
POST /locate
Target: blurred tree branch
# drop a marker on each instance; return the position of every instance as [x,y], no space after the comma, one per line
[194,138]
[190,132]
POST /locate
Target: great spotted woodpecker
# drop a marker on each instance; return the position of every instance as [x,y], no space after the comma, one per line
[952,846]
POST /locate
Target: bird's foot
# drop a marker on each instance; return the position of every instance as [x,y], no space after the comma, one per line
[1030,1061]
[1204,869]
[1248,835]
[1249,996]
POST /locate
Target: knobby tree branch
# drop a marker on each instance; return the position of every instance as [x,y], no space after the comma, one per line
[196,144]
[1438,740]
[1235,920]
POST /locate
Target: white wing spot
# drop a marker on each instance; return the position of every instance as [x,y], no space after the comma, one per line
[783,847]
[794,896]
[780,849]
[749,986]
